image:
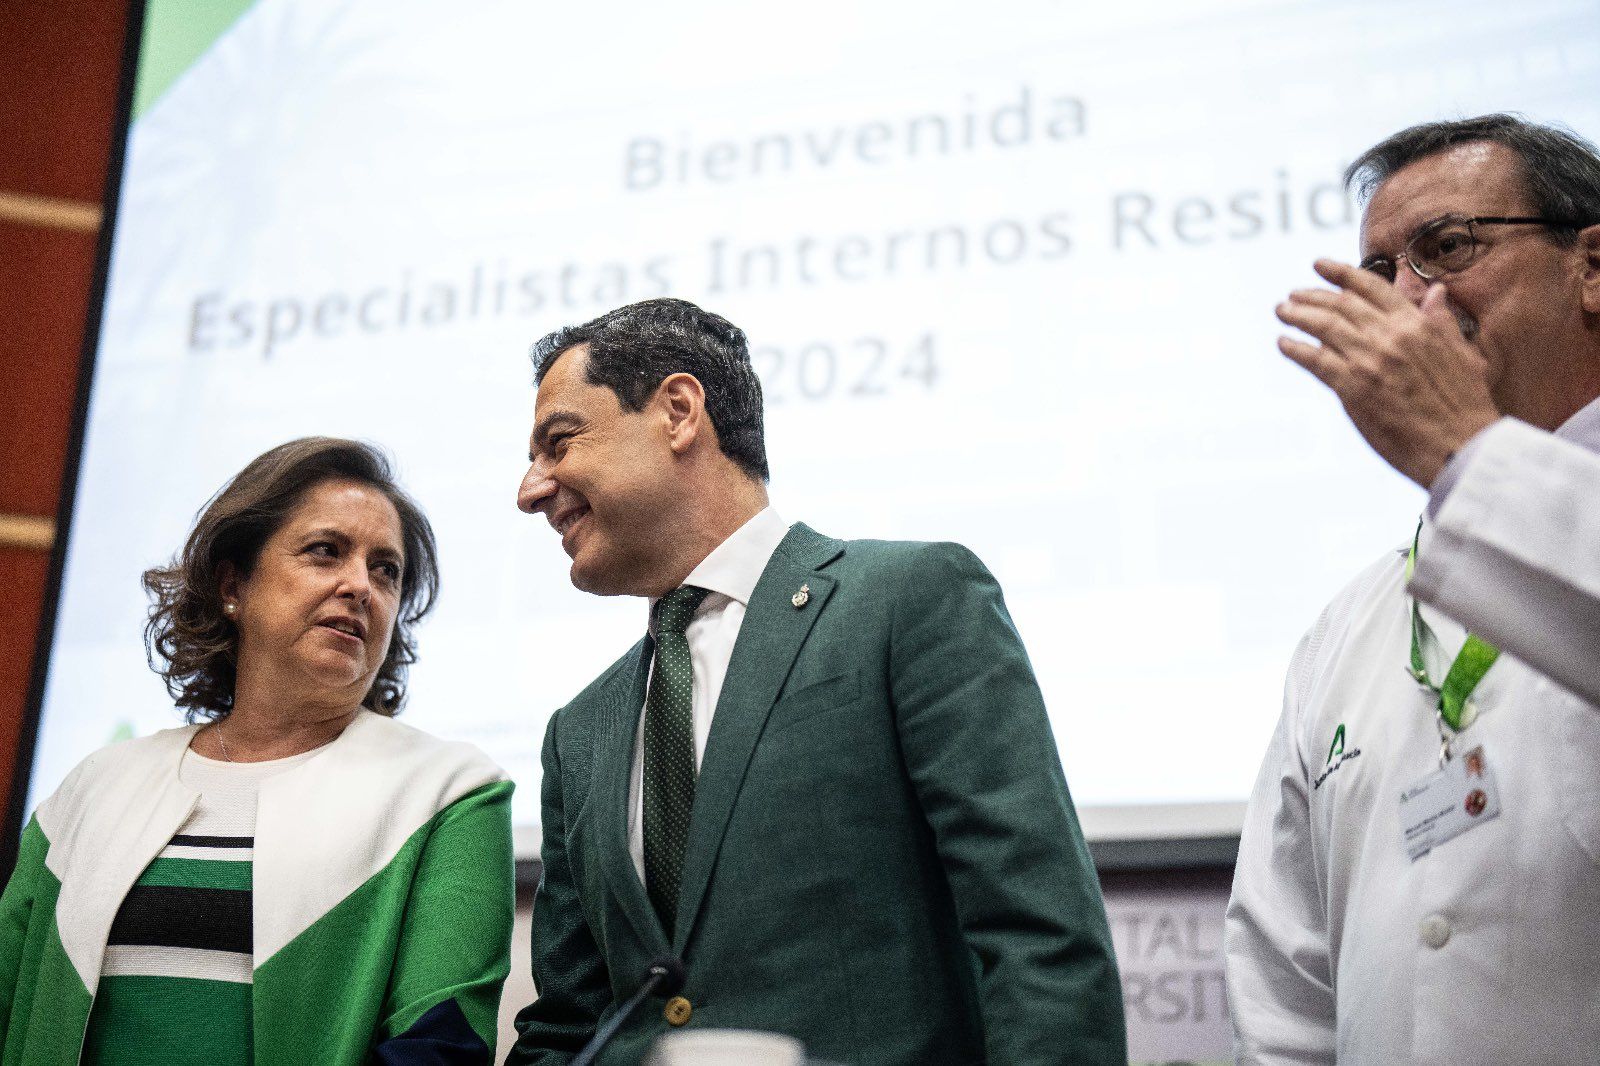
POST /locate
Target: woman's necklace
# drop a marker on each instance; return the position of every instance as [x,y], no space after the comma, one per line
[216,727]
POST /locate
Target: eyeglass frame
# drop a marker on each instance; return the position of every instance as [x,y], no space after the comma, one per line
[1393,272]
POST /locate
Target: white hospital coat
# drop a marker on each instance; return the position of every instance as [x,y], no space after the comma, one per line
[1486,950]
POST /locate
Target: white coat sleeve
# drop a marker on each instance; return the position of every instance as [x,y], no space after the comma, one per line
[1515,555]
[1279,969]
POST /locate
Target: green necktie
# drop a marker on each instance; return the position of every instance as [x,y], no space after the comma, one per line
[669,770]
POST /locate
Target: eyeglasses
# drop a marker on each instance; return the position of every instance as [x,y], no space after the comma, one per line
[1449,244]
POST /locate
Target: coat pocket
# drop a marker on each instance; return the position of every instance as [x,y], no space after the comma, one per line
[815,698]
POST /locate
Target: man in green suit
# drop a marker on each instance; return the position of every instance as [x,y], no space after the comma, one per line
[824,779]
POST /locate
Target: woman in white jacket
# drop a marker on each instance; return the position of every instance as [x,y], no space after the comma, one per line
[294,877]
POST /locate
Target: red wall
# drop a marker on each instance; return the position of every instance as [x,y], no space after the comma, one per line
[59,74]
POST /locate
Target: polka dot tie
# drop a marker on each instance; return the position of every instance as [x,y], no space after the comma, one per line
[669,770]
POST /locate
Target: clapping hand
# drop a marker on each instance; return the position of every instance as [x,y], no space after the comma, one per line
[1412,382]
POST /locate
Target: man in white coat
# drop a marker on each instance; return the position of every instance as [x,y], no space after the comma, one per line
[1419,874]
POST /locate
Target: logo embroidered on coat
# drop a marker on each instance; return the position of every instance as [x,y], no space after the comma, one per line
[1337,756]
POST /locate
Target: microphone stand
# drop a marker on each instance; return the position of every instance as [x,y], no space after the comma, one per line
[665,975]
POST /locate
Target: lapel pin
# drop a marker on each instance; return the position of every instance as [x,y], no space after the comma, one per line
[800,598]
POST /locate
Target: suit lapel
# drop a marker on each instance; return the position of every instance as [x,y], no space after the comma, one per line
[773,631]
[613,773]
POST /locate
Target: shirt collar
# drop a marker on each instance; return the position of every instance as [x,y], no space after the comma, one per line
[1583,428]
[735,566]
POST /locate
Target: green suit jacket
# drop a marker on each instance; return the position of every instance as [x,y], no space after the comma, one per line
[883,860]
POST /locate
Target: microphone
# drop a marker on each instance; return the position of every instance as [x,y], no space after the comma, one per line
[663,977]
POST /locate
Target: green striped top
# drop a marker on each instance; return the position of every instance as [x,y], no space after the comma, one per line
[176,981]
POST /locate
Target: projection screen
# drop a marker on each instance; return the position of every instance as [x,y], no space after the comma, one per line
[1008,272]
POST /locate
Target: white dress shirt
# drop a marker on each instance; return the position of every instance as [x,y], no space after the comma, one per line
[1517,552]
[730,572]
[1486,949]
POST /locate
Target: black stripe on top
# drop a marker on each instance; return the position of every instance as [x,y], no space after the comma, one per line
[213,842]
[217,919]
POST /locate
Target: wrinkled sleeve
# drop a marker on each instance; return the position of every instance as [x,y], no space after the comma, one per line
[454,953]
[1279,970]
[983,760]
[574,989]
[1515,555]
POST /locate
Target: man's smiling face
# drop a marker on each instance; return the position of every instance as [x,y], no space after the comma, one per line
[603,476]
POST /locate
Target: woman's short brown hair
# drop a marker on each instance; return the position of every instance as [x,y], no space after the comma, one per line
[191,643]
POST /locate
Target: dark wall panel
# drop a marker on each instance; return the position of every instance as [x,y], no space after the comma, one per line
[22,587]
[58,83]
[45,274]
[59,80]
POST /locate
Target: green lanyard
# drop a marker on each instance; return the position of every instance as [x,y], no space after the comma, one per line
[1472,662]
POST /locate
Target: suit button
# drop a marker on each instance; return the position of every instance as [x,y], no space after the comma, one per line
[1435,931]
[677,1011]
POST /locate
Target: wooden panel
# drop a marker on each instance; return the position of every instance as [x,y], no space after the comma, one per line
[58,77]
[29,210]
[27,531]
[45,276]
[22,584]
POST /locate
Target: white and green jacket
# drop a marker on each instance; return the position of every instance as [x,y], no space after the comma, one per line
[382,898]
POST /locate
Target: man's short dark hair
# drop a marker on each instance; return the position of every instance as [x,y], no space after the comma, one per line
[1560,170]
[633,349]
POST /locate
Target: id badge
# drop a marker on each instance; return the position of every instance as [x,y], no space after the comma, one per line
[1447,803]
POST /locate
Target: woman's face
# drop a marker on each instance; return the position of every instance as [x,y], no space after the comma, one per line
[316,614]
